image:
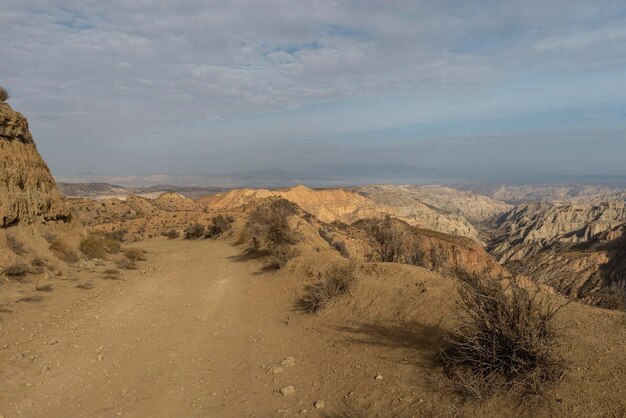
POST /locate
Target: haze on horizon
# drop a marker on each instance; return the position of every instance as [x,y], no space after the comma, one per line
[120,88]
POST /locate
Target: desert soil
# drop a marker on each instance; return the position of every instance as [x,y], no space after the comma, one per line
[197,331]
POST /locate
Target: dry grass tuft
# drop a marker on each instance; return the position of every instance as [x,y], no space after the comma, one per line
[126,264]
[16,271]
[85,286]
[135,254]
[63,251]
[219,225]
[15,245]
[171,234]
[94,246]
[194,231]
[337,282]
[4,95]
[43,287]
[614,297]
[506,340]
[279,256]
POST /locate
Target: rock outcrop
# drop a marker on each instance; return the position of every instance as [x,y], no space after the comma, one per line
[28,193]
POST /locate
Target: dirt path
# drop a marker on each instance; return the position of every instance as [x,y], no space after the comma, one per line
[183,339]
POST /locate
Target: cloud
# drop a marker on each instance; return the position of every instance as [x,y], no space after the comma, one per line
[153,63]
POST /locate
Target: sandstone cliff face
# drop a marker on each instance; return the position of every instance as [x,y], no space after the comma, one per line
[28,193]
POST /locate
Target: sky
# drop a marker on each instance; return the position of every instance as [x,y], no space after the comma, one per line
[123,87]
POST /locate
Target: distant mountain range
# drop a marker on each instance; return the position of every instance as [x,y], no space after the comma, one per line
[320,175]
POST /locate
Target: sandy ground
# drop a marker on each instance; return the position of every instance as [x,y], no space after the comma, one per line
[198,332]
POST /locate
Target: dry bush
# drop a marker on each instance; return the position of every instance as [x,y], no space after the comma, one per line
[506,340]
[342,248]
[15,245]
[16,270]
[63,251]
[126,264]
[614,297]
[171,234]
[44,287]
[111,274]
[50,237]
[219,225]
[194,231]
[268,225]
[389,237]
[269,232]
[135,254]
[337,282]
[279,256]
[38,262]
[94,246]
[4,95]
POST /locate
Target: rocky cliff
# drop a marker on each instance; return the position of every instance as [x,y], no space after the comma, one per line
[28,193]
[530,229]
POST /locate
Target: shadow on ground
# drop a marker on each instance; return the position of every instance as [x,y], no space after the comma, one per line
[425,339]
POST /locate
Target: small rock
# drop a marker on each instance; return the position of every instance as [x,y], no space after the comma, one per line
[276,370]
[45,369]
[379,377]
[288,362]
[100,357]
[29,384]
[99,350]
[319,404]
[287,390]
[5,346]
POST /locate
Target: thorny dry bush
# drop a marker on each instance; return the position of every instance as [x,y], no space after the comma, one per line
[337,282]
[506,340]
[268,232]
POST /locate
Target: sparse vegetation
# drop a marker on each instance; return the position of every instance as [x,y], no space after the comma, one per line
[94,246]
[171,233]
[389,238]
[219,225]
[614,297]
[505,341]
[126,264]
[194,231]
[15,245]
[135,254]
[340,246]
[4,95]
[63,251]
[268,231]
[337,282]
[279,256]
[16,270]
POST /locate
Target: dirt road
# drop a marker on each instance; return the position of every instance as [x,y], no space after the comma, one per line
[184,338]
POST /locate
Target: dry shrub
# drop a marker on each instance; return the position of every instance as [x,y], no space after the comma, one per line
[506,340]
[15,245]
[63,251]
[194,231]
[171,234]
[269,232]
[219,225]
[126,264]
[4,95]
[337,282]
[279,256]
[111,274]
[342,248]
[16,270]
[614,297]
[135,254]
[389,237]
[94,246]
